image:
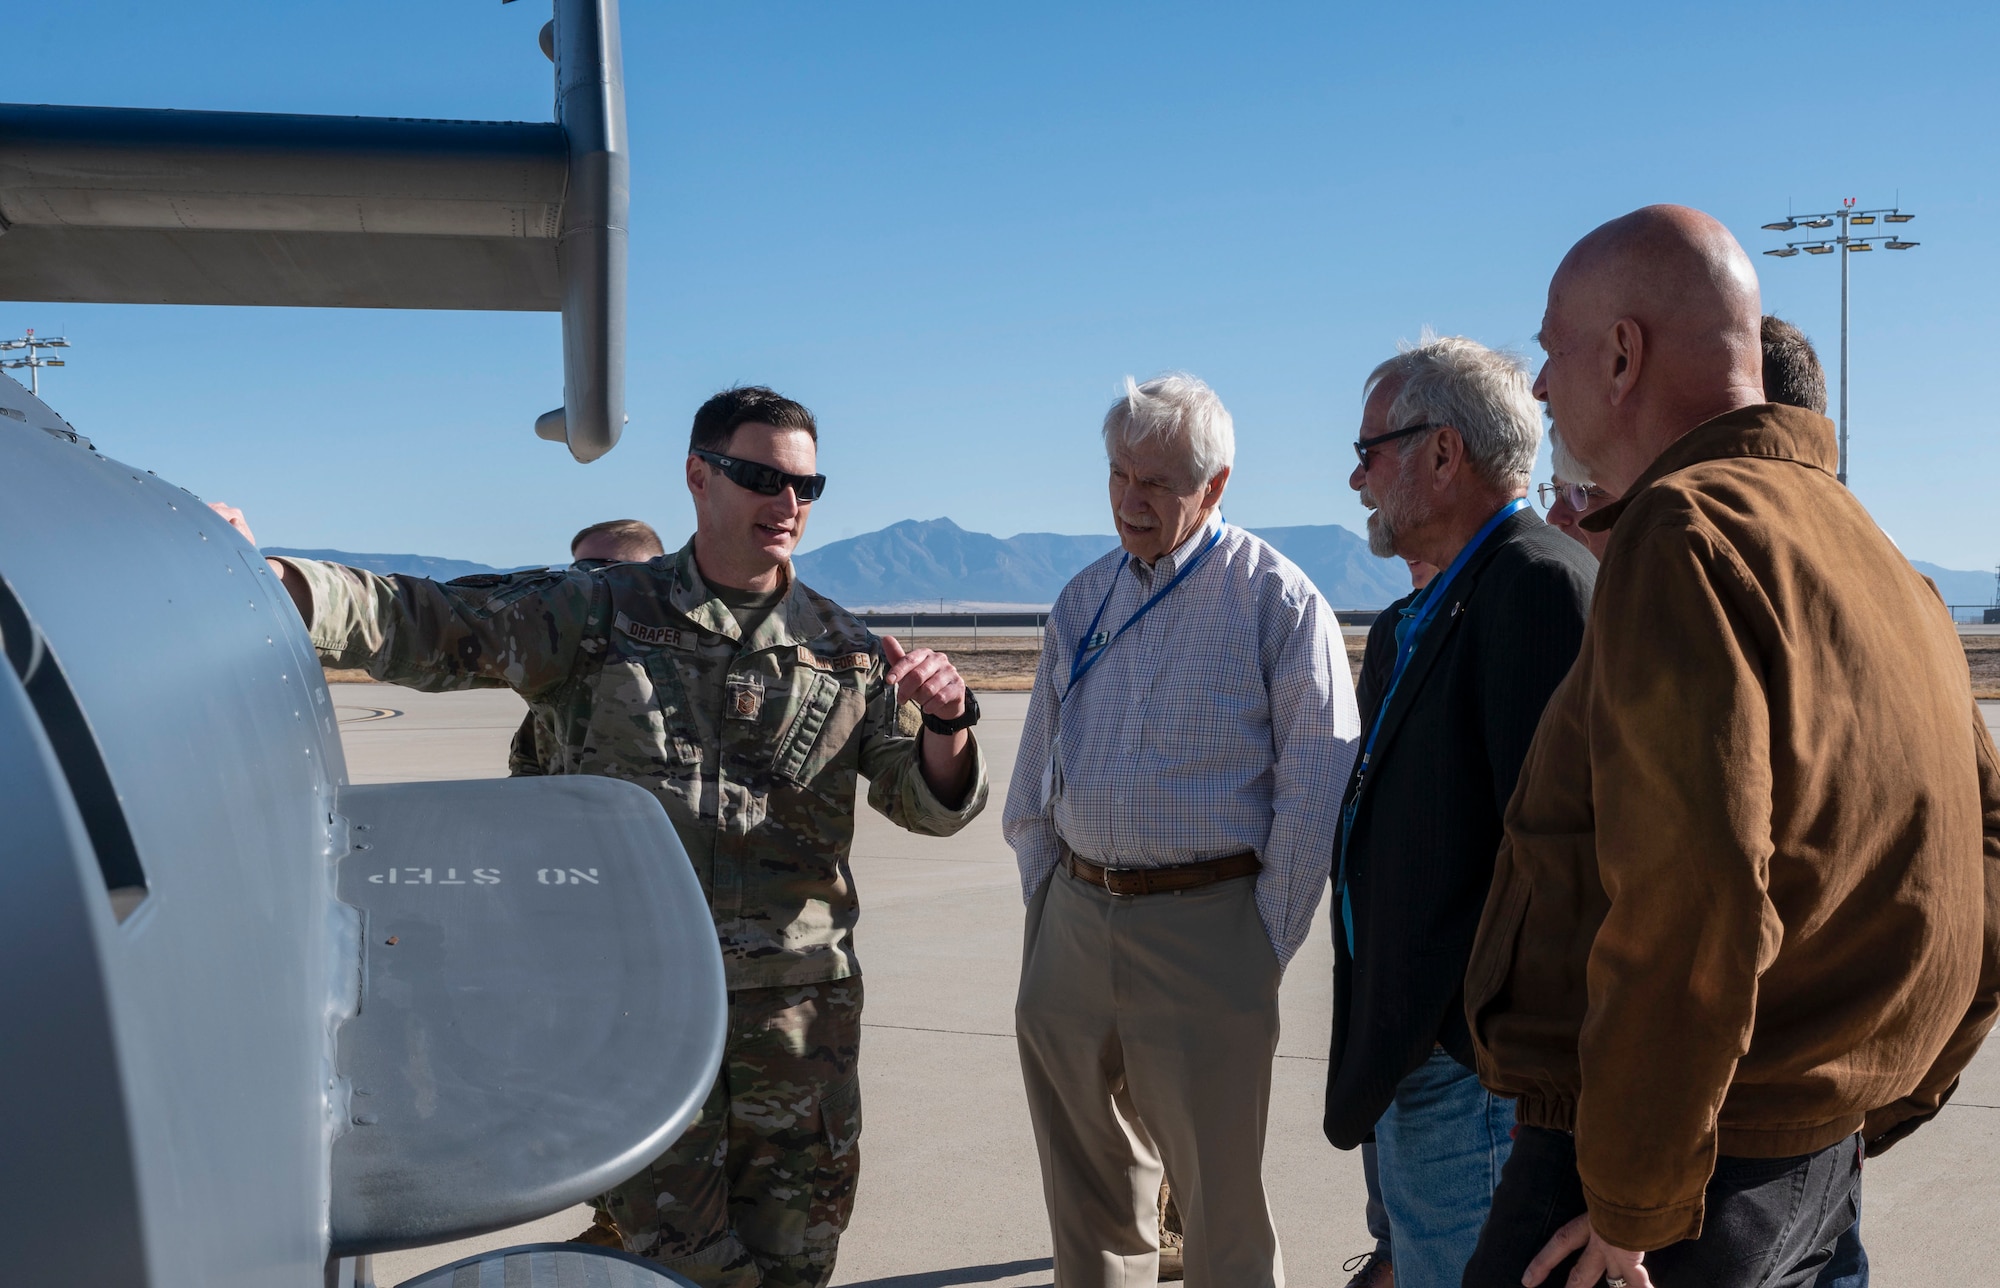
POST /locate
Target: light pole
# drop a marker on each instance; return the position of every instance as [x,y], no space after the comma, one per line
[34,362]
[1847,245]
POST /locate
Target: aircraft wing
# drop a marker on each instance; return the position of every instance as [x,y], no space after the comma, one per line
[107,205]
[141,206]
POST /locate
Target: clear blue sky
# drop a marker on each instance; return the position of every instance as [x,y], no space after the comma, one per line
[952,229]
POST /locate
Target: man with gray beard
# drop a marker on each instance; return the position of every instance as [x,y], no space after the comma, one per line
[1448,436]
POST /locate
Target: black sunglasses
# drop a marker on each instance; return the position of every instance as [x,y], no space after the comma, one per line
[1363,447]
[762,479]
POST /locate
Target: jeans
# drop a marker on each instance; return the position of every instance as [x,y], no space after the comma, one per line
[1376,1215]
[1767,1223]
[1440,1147]
[1849,1267]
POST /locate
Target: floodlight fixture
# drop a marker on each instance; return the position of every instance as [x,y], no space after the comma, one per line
[34,361]
[1849,245]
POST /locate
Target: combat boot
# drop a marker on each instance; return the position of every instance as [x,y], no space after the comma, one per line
[601,1232]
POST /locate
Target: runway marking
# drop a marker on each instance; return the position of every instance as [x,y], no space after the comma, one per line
[924,1028]
[362,715]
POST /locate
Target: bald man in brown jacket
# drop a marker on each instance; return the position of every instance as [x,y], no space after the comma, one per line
[1745,921]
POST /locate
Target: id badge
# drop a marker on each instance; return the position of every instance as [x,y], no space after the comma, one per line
[1052,775]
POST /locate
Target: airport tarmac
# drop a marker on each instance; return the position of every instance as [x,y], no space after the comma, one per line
[950,1191]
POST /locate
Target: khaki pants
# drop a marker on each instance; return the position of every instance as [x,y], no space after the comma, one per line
[1147,1026]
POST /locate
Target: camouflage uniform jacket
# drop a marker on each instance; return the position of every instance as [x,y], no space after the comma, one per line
[753,746]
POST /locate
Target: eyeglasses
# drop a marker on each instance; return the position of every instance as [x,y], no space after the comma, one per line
[764,480]
[1579,495]
[1363,447]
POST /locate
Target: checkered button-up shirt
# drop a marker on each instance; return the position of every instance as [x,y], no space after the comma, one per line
[1223,721]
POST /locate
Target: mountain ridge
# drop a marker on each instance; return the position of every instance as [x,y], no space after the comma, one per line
[926,560]
[918,562]
[1958,587]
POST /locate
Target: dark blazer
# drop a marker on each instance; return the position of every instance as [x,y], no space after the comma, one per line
[1428,813]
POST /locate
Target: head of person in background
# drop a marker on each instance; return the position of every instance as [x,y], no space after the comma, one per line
[1792,374]
[1171,443]
[535,749]
[1421,573]
[1569,495]
[616,541]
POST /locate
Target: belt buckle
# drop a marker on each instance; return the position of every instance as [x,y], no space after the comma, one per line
[1076,863]
[1133,878]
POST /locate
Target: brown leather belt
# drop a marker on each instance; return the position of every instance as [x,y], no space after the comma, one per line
[1181,876]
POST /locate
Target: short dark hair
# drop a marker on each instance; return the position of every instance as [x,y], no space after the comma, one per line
[746,405]
[1792,374]
[636,540]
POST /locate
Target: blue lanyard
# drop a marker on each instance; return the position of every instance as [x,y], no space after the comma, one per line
[1425,609]
[1089,649]
[1409,635]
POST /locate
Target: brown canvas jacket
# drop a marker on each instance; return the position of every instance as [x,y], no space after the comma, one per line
[1749,894]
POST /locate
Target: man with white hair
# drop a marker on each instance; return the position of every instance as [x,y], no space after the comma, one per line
[1171,815]
[1569,495]
[1448,437]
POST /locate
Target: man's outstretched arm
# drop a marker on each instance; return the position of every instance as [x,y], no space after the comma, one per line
[296,587]
[521,631]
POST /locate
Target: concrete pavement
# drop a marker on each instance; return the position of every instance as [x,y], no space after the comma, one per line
[951,1193]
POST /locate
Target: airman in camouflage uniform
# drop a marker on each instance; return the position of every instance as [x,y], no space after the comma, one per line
[753,743]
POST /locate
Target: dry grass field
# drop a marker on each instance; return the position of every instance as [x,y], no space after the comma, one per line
[1006,664]
[1982,654]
